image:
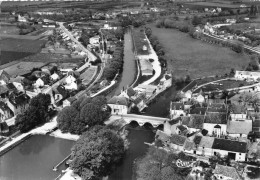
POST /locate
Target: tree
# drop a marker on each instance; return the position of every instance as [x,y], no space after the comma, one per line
[196,20]
[83,114]
[96,153]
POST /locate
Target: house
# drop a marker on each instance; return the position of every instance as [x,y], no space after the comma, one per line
[149,90]
[70,79]
[236,150]
[140,101]
[71,86]
[222,172]
[247,75]
[237,111]
[205,146]
[215,123]
[146,67]
[54,77]
[239,128]
[18,103]
[187,95]
[198,110]
[21,18]
[3,91]
[39,83]
[177,109]
[4,77]
[198,97]
[177,142]
[231,21]
[94,40]
[18,86]
[129,93]
[68,102]
[5,112]
[166,81]
[194,122]
[256,128]
[118,105]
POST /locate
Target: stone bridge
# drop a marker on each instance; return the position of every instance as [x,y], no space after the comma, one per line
[140,119]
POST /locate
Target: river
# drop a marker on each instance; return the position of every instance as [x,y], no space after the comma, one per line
[137,136]
[129,67]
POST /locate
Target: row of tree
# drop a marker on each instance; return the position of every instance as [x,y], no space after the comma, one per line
[157,47]
[115,65]
[37,113]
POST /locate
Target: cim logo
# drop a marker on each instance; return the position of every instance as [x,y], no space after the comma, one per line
[184,164]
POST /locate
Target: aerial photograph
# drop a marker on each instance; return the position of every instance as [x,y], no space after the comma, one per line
[129,89]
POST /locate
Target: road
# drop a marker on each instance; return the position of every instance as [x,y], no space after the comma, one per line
[91,56]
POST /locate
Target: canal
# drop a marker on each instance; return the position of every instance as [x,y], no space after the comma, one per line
[129,67]
[35,158]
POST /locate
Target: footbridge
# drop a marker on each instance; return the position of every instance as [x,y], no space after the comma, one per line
[140,119]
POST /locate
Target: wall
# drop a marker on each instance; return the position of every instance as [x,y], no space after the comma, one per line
[239,156]
[210,128]
[118,109]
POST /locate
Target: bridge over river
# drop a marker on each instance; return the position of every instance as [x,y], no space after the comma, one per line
[140,119]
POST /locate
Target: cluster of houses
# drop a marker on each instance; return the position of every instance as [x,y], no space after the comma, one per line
[137,97]
[203,126]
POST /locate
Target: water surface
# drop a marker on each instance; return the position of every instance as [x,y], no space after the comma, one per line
[34,158]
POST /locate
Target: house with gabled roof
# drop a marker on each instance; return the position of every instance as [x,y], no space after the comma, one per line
[237,111]
[177,142]
[236,150]
[194,123]
[205,146]
[215,123]
[239,128]
[222,172]
[177,109]
[18,103]
[160,135]
[119,105]
[129,93]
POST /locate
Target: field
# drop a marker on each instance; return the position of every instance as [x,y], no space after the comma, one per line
[9,29]
[212,4]
[188,56]
[22,68]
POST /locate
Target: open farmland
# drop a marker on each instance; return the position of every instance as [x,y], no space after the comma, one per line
[188,56]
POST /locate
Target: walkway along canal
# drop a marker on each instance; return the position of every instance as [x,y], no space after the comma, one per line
[129,68]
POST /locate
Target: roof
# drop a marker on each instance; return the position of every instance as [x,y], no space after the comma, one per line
[215,109]
[162,136]
[130,92]
[216,118]
[219,101]
[3,106]
[140,97]
[195,121]
[197,139]
[181,128]
[229,145]
[61,90]
[206,142]
[237,109]
[189,145]
[19,99]
[3,73]
[239,127]
[227,171]
[11,86]
[145,65]
[198,110]
[18,79]
[177,139]
[189,86]
[3,89]
[177,105]
[118,100]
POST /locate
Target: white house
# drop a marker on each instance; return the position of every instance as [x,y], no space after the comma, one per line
[247,75]
[70,79]
[21,18]
[71,86]
[18,86]
[222,172]
[54,77]
[237,112]
[5,111]
[94,40]
[118,105]
[39,83]
[146,67]
[236,150]
[177,109]
[239,128]
[199,98]
[4,77]
[166,81]
[216,124]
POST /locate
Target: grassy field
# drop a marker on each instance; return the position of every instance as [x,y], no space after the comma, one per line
[188,56]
